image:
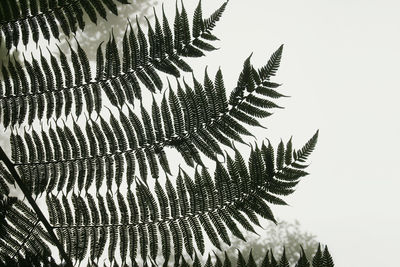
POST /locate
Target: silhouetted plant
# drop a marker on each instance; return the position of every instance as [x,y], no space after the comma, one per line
[72,163]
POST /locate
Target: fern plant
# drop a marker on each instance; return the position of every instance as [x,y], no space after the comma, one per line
[91,165]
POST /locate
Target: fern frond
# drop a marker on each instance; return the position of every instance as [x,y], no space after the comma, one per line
[179,122]
[303,261]
[241,260]
[28,19]
[318,258]
[307,149]
[209,23]
[272,66]
[327,258]
[179,212]
[53,89]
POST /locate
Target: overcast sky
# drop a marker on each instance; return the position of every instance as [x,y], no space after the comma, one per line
[341,68]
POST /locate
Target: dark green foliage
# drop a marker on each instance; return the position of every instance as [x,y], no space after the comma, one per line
[303,261]
[283,262]
[327,258]
[54,89]
[178,213]
[317,260]
[31,17]
[118,142]
[321,258]
[240,260]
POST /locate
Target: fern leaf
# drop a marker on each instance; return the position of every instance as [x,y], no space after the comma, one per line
[268,92]
[130,168]
[142,44]
[318,257]
[128,129]
[141,159]
[198,26]
[210,22]
[280,156]
[232,128]
[159,38]
[203,204]
[176,112]
[156,116]
[84,63]
[72,20]
[221,91]
[162,158]
[182,195]
[184,26]
[272,66]
[177,239]
[243,117]
[203,45]
[205,222]
[173,199]
[187,108]
[119,134]
[163,201]
[253,111]
[303,261]
[212,96]
[165,240]
[220,227]
[153,241]
[166,116]
[327,258]
[227,261]
[203,146]
[76,8]
[251,262]
[241,262]
[116,64]
[198,236]
[306,150]
[187,236]
[177,30]
[231,224]
[152,161]
[261,102]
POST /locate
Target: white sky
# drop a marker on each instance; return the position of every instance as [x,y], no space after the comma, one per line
[340,67]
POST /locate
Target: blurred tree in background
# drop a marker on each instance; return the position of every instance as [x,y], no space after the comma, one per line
[93,33]
[285,233]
